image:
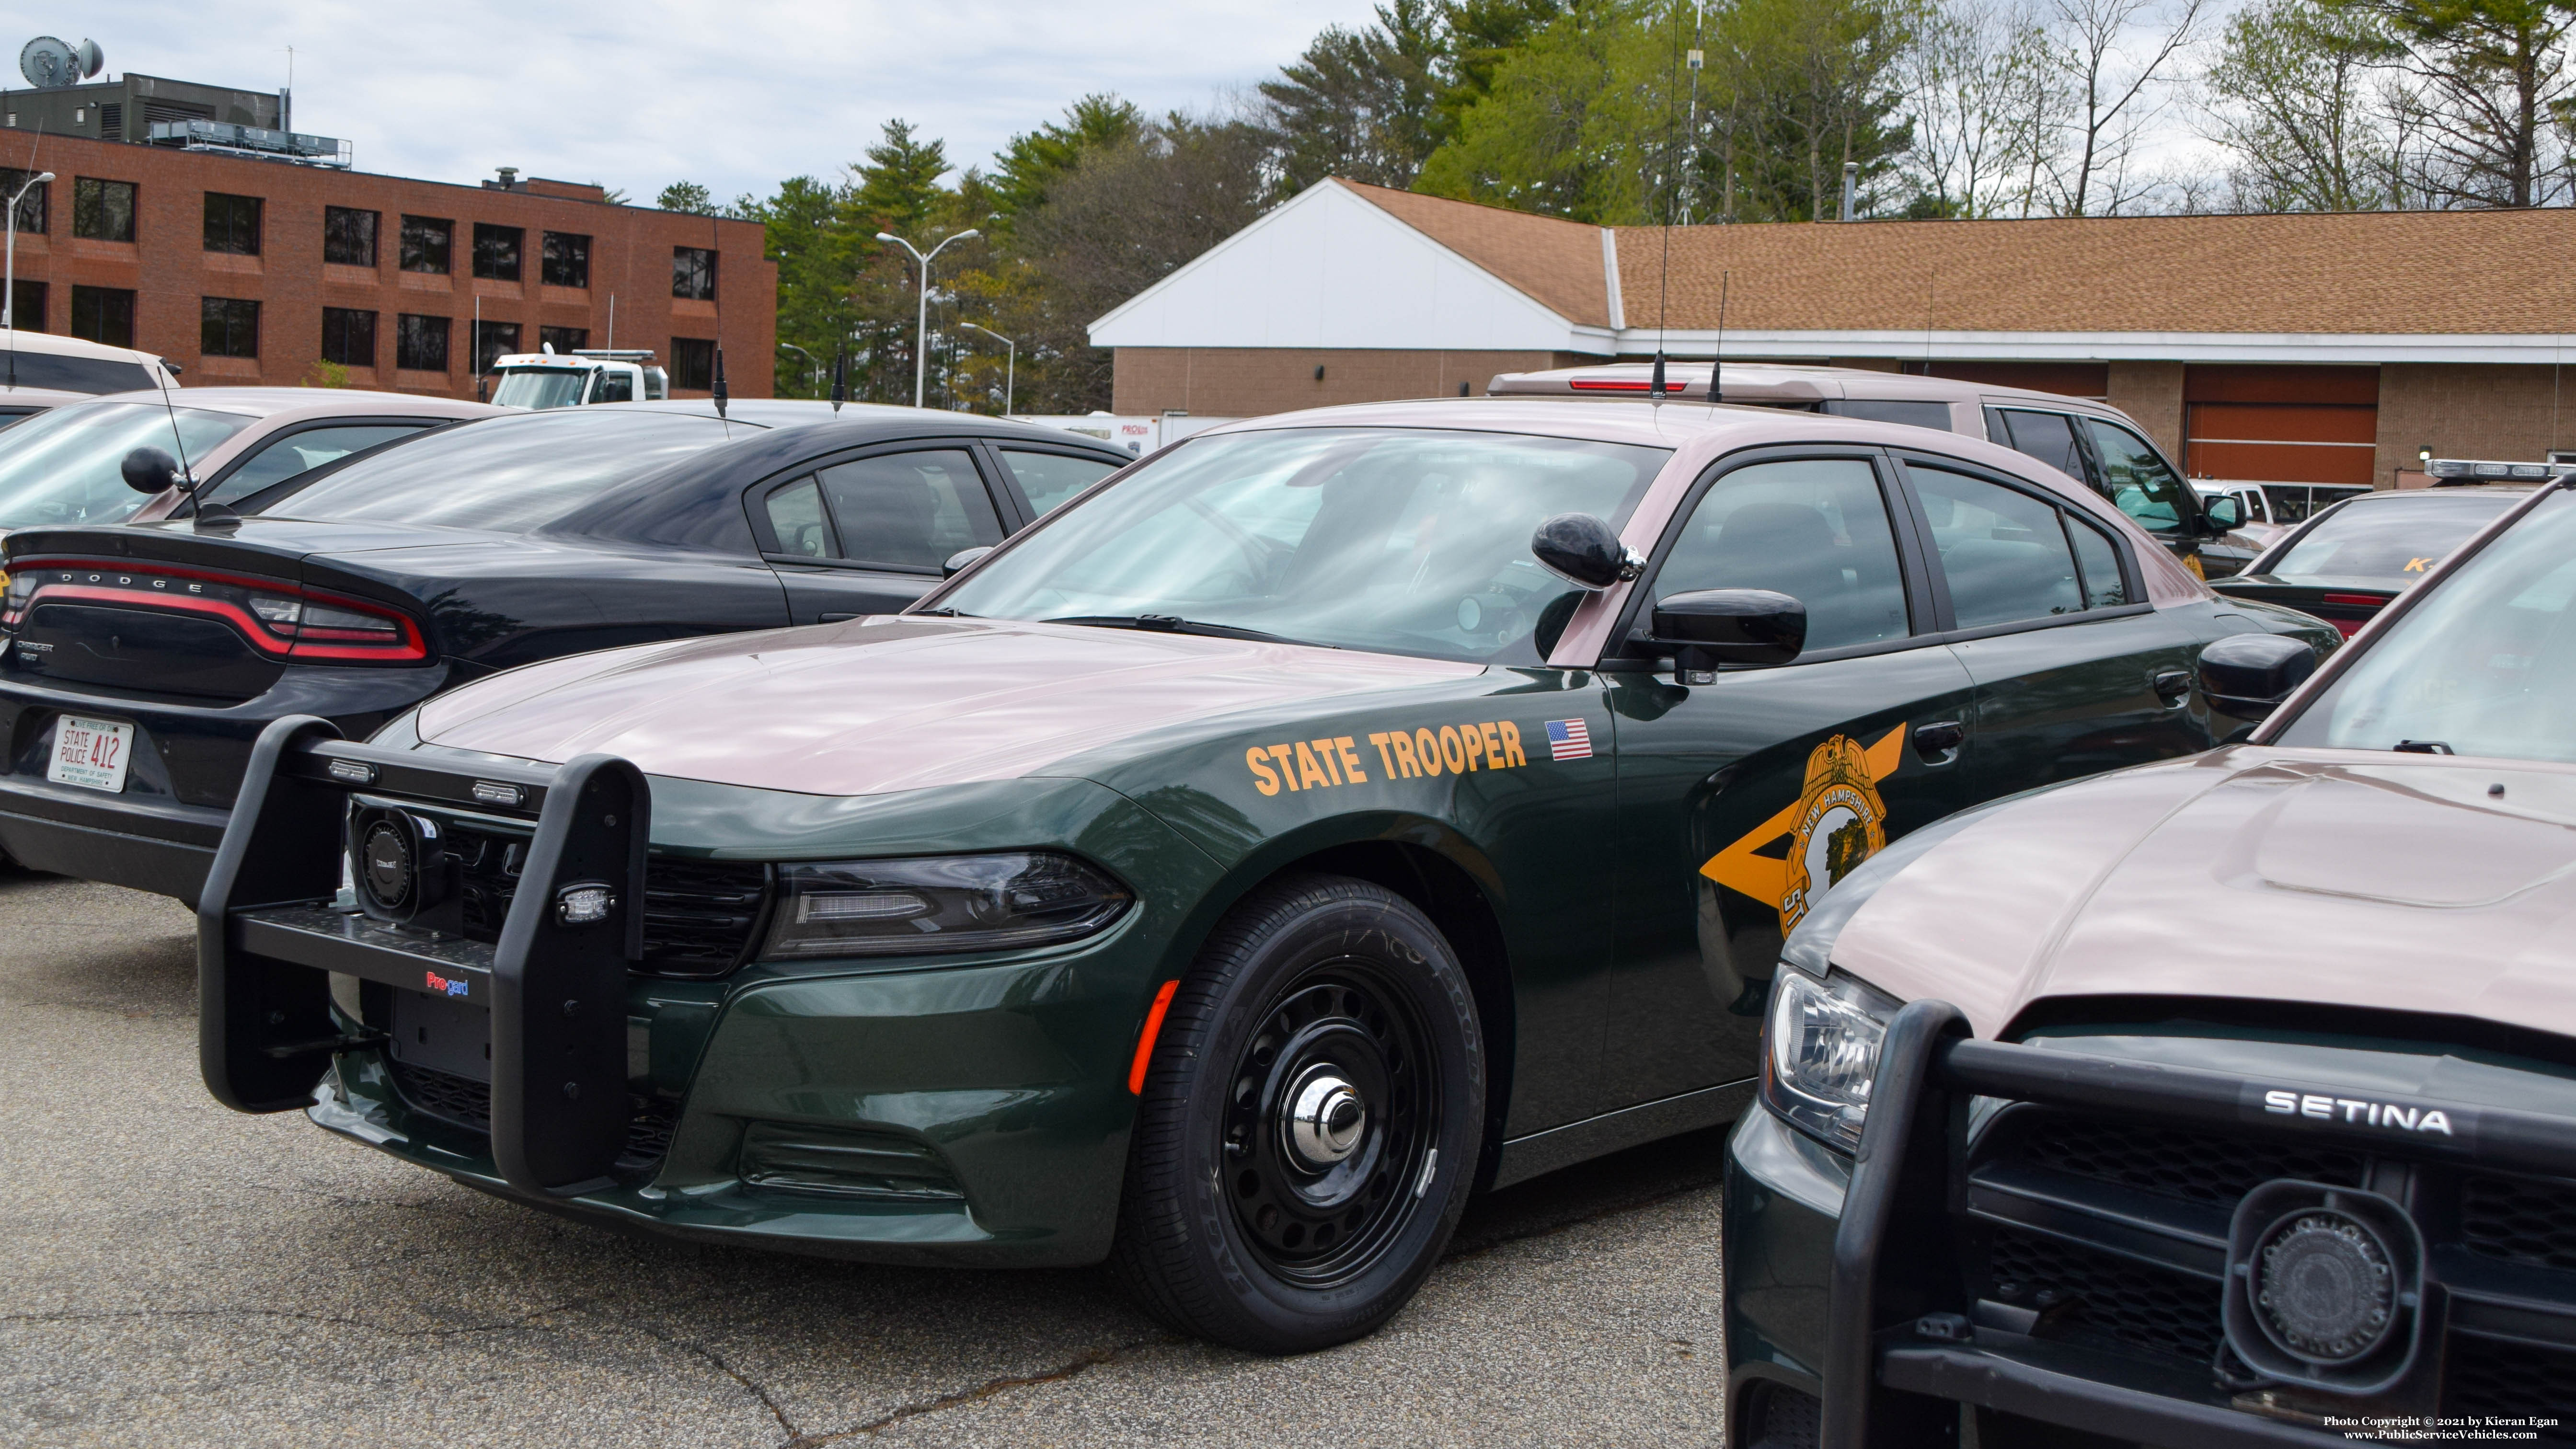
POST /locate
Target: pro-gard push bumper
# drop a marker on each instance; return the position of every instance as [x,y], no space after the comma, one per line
[1885,1308]
[965,1113]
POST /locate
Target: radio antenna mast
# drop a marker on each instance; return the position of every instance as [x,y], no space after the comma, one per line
[1717,368]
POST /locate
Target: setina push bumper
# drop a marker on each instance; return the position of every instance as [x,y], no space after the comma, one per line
[2309,1310]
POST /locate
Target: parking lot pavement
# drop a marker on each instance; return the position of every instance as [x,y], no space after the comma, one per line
[175,1274]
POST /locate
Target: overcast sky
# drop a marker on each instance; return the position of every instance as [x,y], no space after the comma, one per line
[735,96]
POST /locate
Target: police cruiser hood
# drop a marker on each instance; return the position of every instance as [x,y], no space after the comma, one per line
[890,703]
[2344,877]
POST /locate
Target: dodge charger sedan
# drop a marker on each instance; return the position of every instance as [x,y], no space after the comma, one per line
[1329,816]
[139,663]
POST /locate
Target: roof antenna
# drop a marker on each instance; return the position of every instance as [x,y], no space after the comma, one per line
[841,377]
[204,511]
[722,395]
[1664,273]
[1717,367]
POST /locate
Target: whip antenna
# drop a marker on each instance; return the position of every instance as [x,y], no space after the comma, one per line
[1717,368]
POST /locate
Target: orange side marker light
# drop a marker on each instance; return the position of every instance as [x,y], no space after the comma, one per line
[1145,1039]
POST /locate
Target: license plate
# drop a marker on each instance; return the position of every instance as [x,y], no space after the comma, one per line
[90,753]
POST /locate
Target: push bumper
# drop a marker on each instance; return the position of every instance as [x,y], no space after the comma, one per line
[1893,1335]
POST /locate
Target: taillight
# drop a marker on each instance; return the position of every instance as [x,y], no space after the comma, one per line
[279,619]
[2354,601]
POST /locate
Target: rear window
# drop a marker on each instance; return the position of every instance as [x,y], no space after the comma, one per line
[511,475]
[71,374]
[2395,539]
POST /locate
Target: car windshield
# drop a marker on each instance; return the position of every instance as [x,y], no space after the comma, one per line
[540,387]
[64,466]
[1395,540]
[509,474]
[2483,665]
[2397,539]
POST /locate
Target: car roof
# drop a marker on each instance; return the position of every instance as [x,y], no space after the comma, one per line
[1769,382]
[780,412]
[320,402]
[54,342]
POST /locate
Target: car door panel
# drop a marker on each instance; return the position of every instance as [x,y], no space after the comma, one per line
[1742,799]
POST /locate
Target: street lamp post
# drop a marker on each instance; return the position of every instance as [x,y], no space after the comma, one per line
[813,368]
[1010,368]
[921,338]
[9,286]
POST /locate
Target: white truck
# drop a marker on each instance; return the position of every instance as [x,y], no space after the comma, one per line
[548,379]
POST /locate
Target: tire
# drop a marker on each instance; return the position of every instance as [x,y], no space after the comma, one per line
[1240,1223]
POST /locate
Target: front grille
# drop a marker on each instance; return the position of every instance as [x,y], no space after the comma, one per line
[2176,1162]
[2157,1309]
[2527,1220]
[2512,1380]
[699,915]
[465,1102]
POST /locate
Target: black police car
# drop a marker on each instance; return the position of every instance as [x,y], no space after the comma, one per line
[143,661]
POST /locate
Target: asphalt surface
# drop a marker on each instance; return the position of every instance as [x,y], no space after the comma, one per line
[174,1274]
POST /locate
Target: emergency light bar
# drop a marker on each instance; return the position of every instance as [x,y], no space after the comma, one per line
[2473,470]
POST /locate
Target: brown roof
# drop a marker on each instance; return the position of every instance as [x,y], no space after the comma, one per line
[1555,261]
[2419,272]
[2366,272]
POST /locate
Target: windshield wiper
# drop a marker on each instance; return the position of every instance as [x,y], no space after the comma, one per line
[1173,624]
[941,614]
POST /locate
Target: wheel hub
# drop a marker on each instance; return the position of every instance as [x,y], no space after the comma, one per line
[1325,1119]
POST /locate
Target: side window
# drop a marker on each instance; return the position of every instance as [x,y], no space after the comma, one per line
[2100,562]
[796,516]
[292,454]
[910,510]
[1814,529]
[1892,410]
[1051,478]
[2049,437]
[608,386]
[2003,551]
[2137,479]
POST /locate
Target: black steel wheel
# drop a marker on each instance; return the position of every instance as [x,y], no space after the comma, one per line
[1309,1124]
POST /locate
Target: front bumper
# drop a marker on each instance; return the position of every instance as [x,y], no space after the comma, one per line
[1990,1247]
[160,833]
[971,1109]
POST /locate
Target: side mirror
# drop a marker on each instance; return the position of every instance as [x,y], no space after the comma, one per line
[958,561]
[149,470]
[2248,675]
[2224,514]
[1583,551]
[1709,627]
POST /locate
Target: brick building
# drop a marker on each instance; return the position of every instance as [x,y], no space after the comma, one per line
[2312,348]
[244,270]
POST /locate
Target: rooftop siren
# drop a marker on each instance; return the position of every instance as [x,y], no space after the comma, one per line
[47,62]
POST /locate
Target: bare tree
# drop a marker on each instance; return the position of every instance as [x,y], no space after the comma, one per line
[2300,100]
[2114,58]
[1982,96]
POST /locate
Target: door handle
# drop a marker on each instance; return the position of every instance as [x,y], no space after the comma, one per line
[2173,686]
[1938,742]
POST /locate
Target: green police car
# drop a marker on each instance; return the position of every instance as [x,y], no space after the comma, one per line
[1312,824]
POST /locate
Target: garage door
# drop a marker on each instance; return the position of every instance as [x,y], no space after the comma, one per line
[2281,424]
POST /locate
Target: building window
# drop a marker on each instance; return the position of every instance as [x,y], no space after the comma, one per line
[425,242]
[693,363]
[230,327]
[496,251]
[564,339]
[348,335]
[348,237]
[27,306]
[693,273]
[567,259]
[493,340]
[232,224]
[103,314]
[102,210]
[420,343]
[33,208]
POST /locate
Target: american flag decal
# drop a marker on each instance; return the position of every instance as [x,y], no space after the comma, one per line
[1569,739]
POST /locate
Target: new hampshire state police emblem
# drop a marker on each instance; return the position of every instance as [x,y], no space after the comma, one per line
[1840,822]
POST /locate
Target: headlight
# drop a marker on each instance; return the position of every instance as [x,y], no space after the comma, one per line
[1820,1053]
[937,905]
